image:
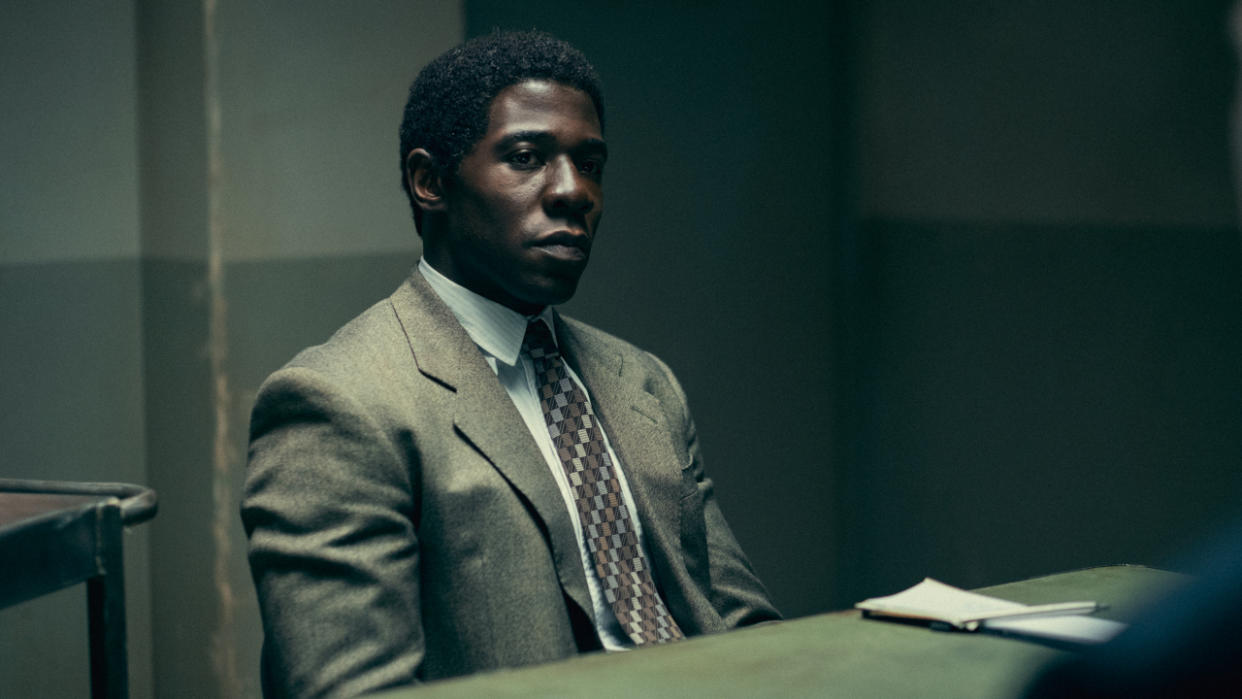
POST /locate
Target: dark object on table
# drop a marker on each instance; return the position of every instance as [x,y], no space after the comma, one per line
[1187,644]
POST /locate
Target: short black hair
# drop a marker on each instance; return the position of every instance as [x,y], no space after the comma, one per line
[447,109]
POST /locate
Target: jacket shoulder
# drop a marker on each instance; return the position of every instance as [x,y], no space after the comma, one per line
[593,337]
[373,338]
[658,377]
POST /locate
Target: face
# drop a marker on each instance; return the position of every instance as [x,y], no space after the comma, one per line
[522,211]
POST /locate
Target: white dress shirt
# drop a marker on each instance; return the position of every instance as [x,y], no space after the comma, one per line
[498,331]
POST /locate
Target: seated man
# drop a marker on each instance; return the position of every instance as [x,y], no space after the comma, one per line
[461,478]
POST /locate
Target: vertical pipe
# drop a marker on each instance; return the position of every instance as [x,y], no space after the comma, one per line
[223,654]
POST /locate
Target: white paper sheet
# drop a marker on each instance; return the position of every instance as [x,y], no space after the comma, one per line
[935,601]
[932,599]
[1071,628]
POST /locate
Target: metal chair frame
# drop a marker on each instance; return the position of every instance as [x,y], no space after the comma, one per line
[76,538]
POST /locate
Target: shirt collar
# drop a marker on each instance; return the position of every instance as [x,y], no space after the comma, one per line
[497,329]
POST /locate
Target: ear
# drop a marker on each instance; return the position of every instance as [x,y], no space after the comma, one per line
[425,182]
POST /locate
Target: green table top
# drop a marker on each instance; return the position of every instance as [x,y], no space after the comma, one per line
[828,655]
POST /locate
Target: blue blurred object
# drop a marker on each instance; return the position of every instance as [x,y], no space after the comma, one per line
[1189,643]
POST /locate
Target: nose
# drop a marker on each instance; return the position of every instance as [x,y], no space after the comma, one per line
[568,190]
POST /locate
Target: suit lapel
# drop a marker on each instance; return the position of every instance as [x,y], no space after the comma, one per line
[637,430]
[485,417]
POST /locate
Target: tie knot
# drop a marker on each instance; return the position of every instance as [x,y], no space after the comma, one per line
[538,342]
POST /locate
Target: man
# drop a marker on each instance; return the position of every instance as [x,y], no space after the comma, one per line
[461,478]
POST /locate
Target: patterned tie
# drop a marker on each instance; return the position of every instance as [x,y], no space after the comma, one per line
[606,522]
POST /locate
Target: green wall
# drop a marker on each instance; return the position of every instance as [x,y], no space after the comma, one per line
[193,192]
[70,305]
[953,286]
[1044,326]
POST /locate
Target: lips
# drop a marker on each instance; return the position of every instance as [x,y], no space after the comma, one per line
[566,245]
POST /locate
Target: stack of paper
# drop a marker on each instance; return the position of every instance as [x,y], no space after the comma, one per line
[938,603]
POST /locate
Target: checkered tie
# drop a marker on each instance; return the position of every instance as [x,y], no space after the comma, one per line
[606,522]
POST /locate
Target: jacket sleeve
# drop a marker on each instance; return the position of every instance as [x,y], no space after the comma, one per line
[735,592]
[329,510]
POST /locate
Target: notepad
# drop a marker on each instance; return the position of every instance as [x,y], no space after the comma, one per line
[938,603]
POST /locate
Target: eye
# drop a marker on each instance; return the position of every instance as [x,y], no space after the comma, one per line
[592,166]
[524,159]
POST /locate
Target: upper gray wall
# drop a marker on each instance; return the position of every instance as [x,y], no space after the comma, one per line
[1100,113]
[69,139]
[310,100]
[70,305]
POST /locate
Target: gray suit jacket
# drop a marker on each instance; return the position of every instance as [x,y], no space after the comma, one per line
[404,526]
